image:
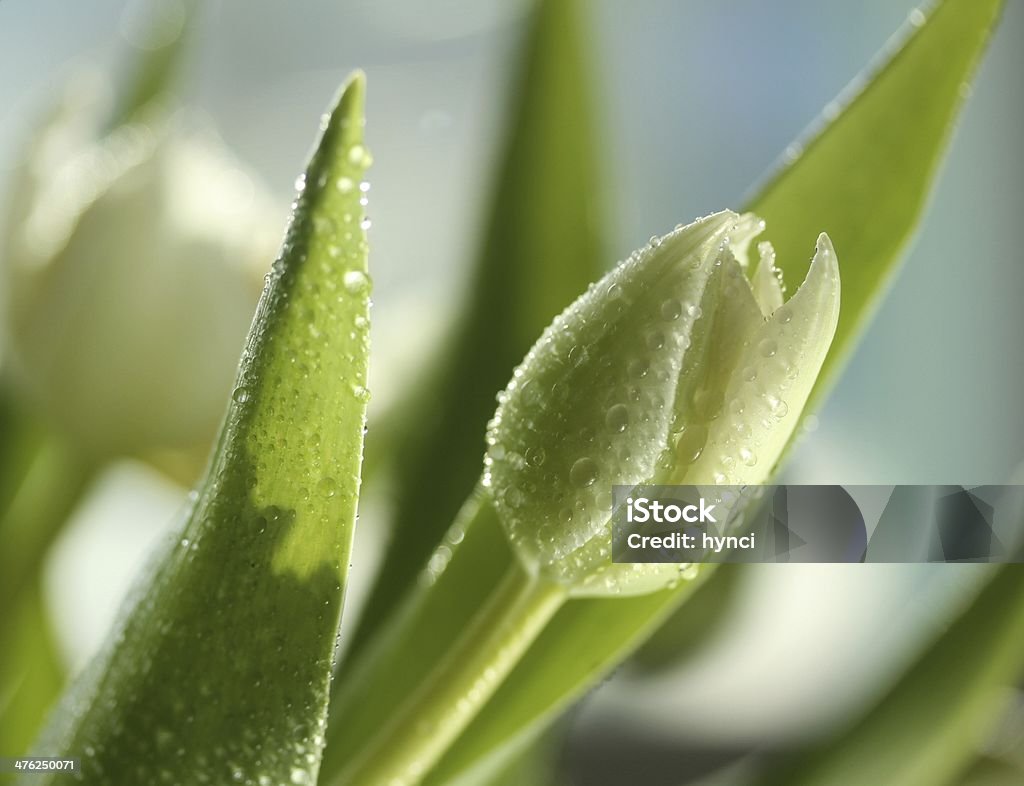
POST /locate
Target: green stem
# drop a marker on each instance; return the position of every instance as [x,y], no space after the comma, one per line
[433,717]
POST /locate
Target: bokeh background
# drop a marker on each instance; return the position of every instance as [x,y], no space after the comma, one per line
[696,100]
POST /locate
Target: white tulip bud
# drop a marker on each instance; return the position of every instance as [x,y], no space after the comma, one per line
[132,264]
[675,368]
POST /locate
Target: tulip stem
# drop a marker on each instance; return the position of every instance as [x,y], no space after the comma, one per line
[433,717]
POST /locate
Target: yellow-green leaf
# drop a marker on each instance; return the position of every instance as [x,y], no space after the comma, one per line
[864,177]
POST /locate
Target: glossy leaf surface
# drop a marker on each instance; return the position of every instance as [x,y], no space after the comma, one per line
[218,670]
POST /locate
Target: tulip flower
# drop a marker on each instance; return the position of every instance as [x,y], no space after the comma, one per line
[130,274]
[678,367]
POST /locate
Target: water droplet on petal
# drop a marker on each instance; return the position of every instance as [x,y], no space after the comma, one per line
[617,418]
[638,368]
[513,497]
[535,456]
[584,472]
[691,443]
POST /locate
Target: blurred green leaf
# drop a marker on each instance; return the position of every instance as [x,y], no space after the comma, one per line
[694,623]
[863,178]
[152,70]
[22,436]
[47,479]
[31,672]
[219,669]
[926,730]
[536,764]
[992,772]
[53,478]
[541,249]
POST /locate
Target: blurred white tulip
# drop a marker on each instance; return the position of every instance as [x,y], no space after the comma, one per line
[132,265]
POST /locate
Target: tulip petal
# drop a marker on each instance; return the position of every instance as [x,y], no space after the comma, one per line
[772,381]
[767,280]
[599,386]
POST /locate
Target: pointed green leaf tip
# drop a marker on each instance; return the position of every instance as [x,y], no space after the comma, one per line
[867,169]
[218,672]
[672,368]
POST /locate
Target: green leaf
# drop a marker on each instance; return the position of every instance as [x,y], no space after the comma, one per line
[536,764]
[153,70]
[694,624]
[219,668]
[925,731]
[47,478]
[892,153]
[541,249]
[31,671]
[865,176]
[22,439]
[992,772]
[51,485]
